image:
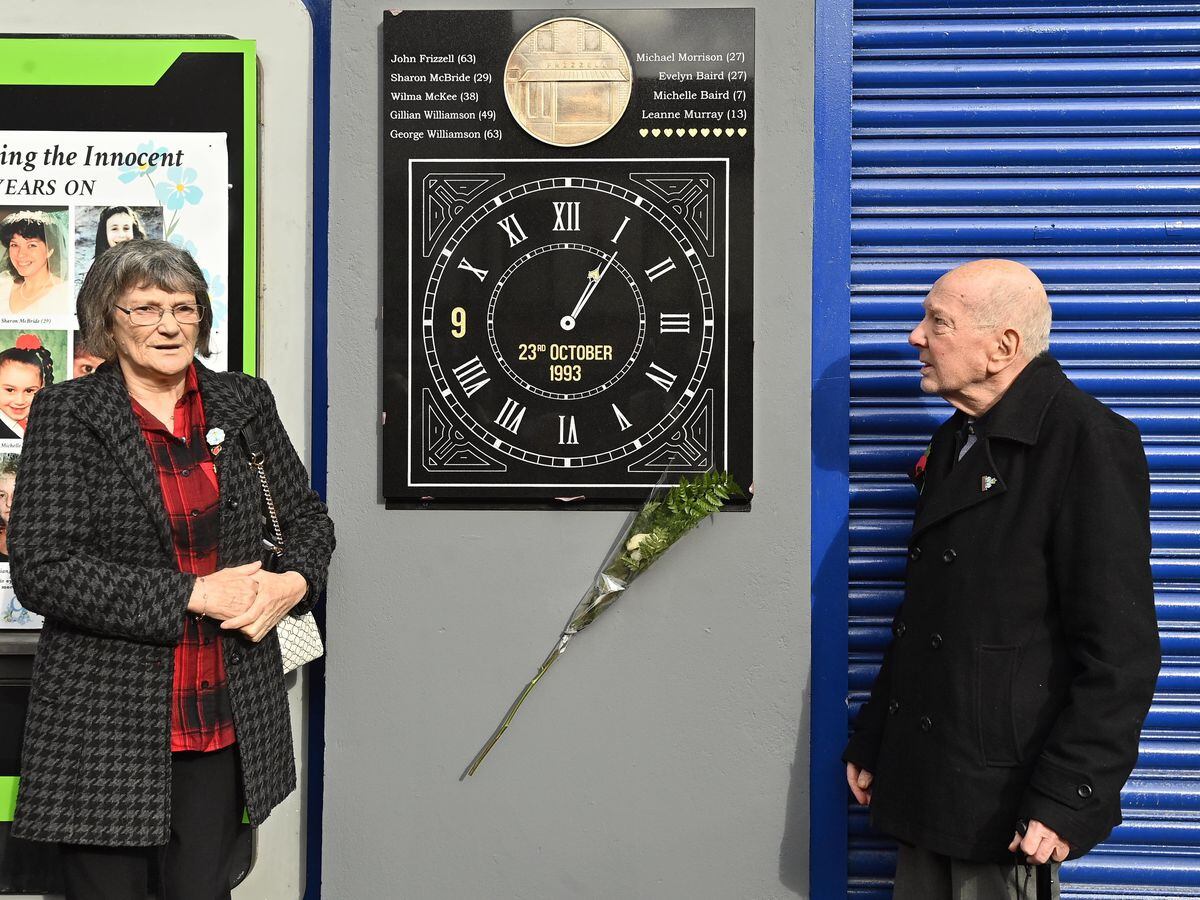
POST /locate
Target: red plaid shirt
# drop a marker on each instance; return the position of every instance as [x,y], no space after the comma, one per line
[201,714]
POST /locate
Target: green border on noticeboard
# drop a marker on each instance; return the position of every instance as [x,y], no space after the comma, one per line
[143,61]
[8,797]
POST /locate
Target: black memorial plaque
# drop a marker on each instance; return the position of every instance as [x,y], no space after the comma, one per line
[568,253]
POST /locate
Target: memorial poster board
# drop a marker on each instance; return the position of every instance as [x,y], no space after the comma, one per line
[568,253]
[106,140]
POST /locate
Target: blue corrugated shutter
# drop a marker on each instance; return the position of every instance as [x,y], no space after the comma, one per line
[1067,136]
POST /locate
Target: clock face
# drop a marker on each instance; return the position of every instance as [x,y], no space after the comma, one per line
[568,322]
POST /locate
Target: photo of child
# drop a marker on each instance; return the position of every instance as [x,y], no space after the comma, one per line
[84,361]
[28,362]
[12,613]
[8,482]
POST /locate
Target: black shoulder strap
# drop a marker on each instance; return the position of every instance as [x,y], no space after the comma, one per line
[249,440]
[273,533]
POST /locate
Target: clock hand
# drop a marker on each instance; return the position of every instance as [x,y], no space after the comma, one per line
[593,280]
[568,322]
[594,276]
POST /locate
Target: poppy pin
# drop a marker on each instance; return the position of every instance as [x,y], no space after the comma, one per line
[917,474]
[215,438]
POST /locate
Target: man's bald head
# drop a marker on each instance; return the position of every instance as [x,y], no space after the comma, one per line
[984,322]
[1001,293]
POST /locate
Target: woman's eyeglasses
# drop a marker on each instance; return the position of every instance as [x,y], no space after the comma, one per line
[184,313]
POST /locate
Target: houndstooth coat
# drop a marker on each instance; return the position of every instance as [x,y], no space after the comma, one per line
[91,551]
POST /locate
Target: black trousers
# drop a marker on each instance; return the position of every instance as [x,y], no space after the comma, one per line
[206,810]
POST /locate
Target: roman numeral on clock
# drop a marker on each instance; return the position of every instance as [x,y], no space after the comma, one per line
[472,375]
[511,415]
[674,323]
[566,430]
[566,215]
[660,376]
[621,420]
[481,274]
[513,229]
[619,230]
[656,272]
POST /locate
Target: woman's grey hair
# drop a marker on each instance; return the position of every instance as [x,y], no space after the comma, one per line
[132,265]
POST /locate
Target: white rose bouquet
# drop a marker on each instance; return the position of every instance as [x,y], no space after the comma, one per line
[666,516]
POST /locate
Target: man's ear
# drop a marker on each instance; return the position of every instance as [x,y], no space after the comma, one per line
[1005,350]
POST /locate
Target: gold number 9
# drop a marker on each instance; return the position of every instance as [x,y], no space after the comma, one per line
[458,318]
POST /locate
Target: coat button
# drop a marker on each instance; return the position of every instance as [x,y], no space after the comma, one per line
[914,554]
[949,556]
[893,707]
[926,723]
[1084,790]
[899,628]
[935,640]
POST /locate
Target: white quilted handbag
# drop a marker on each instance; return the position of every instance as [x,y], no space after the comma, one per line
[299,640]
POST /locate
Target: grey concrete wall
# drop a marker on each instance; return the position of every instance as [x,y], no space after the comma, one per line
[666,755]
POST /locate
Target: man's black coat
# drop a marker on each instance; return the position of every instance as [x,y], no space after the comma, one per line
[1025,653]
[92,551]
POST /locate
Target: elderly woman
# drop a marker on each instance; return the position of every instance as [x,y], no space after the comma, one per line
[158,708]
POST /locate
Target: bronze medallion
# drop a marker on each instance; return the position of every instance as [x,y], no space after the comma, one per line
[567,82]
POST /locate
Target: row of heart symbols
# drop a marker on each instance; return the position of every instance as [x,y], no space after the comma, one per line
[692,132]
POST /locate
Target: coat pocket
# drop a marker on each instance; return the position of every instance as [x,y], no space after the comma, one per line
[995,669]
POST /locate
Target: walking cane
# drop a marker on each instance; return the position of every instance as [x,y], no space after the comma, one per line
[1043,874]
[1045,881]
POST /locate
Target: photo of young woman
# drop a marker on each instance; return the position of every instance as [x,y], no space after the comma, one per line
[99,228]
[117,224]
[26,366]
[33,264]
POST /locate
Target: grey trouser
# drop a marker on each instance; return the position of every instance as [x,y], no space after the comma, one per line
[922,875]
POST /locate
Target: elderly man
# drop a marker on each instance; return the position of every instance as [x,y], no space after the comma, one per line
[1006,715]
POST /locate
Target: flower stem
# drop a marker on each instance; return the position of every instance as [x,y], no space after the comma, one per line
[512,710]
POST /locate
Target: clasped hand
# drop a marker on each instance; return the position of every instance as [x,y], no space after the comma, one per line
[247,598]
